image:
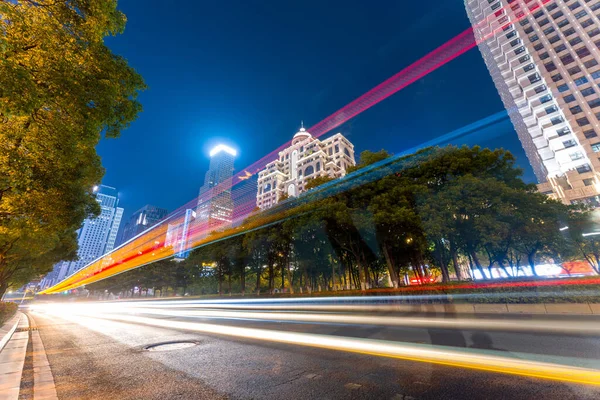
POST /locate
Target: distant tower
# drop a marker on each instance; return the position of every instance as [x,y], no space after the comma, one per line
[215,206]
[543,57]
[95,237]
[144,218]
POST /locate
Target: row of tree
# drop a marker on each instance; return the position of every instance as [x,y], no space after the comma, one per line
[61,88]
[439,213]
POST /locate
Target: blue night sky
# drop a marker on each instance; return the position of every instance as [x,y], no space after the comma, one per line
[246,72]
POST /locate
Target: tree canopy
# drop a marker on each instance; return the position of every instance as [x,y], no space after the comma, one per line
[61,89]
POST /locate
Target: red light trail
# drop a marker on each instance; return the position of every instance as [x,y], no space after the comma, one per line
[139,251]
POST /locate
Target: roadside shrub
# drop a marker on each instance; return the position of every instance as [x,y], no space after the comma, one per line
[7,310]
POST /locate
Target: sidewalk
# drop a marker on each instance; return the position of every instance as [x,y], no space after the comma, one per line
[14,338]
[12,356]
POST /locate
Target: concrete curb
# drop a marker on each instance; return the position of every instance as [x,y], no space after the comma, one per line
[7,330]
[43,381]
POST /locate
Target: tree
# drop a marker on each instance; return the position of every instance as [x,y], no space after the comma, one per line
[584,233]
[60,89]
[317,181]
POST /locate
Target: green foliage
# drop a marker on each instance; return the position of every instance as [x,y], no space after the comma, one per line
[60,89]
[439,212]
[367,158]
[317,181]
[7,310]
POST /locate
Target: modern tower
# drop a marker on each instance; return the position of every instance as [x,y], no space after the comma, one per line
[215,206]
[305,159]
[543,57]
[144,218]
[95,237]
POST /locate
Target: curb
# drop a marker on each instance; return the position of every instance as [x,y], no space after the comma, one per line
[7,330]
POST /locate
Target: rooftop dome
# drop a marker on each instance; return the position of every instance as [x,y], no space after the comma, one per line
[302,133]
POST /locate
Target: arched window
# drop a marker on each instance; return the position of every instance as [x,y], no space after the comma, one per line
[309,170]
[267,187]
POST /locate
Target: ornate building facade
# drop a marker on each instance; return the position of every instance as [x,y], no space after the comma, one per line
[306,159]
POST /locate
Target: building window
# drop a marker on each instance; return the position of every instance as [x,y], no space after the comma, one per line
[267,187]
[563,131]
[588,181]
[574,70]
[575,40]
[533,38]
[556,78]
[330,151]
[545,99]
[582,169]
[590,134]
[581,81]
[570,31]
[590,63]
[583,121]
[567,59]
[540,89]
[524,58]
[594,103]
[538,46]
[519,50]
[582,52]
[560,48]
[596,148]
[309,170]
[318,166]
[557,120]
[569,143]
[575,110]
[337,148]
[569,98]
[588,91]
[528,67]
[563,88]
[550,67]
[544,55]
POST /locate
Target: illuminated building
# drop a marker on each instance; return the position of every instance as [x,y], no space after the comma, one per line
[142,219]
[305,159]
[543,57]
[215,206]
[95,237]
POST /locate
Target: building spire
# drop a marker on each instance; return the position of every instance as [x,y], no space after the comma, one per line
[302,126]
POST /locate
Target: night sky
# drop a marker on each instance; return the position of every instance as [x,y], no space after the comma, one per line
[247,72]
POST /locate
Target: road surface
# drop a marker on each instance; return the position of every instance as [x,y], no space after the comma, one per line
[96,357]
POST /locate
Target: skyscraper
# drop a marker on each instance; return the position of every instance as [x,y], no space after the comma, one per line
[305,159]
[215,206]
[95,237]
[142,219]
[543,57]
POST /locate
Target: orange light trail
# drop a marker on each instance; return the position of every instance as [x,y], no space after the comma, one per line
[150,245]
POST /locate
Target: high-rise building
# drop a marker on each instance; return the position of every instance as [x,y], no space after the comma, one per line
[95,237]
[215,206]
[144,218]
[543,57]
[305,159]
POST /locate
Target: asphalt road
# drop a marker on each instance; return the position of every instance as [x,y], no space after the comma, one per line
[104,359]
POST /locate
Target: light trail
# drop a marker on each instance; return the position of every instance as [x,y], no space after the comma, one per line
[520,364]
[144,249]
[588,328]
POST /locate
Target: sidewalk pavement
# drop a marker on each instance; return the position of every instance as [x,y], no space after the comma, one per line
[12,357]
[14,338]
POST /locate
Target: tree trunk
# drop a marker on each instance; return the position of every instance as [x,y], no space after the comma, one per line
[478,265]
[289,277]
[258,282]
[243,279]
[453,252]
[390,264]
[531,259]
